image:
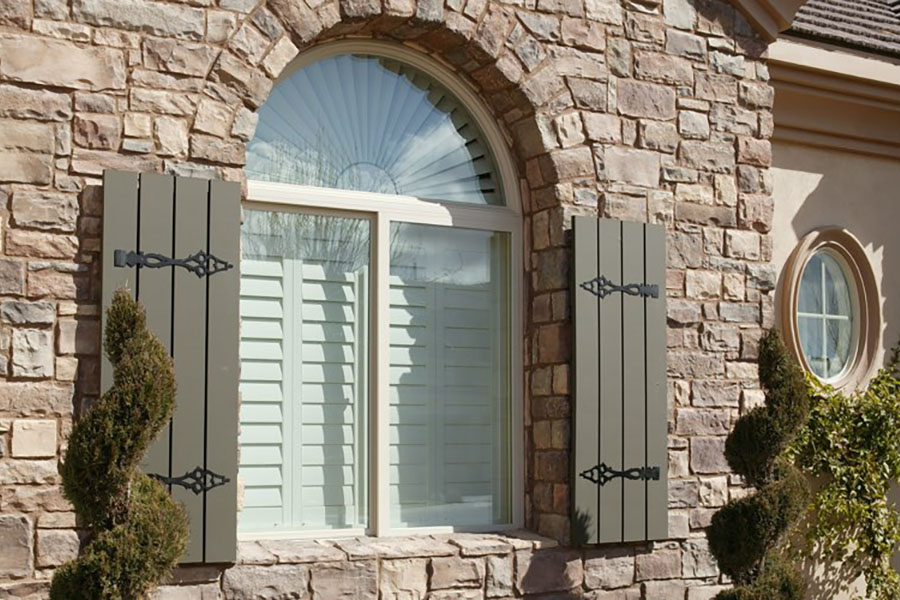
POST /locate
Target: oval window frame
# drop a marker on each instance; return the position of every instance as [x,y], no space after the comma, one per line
[865,299]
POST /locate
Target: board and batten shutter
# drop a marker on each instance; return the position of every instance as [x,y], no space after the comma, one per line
[174,243]
[620,416]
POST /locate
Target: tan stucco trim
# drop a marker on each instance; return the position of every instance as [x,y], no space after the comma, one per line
[770,17]
[835,99]
[831,119]
[838,64]
[867,303]
[818,139]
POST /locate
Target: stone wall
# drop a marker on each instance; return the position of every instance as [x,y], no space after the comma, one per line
[453,567]
[655,110]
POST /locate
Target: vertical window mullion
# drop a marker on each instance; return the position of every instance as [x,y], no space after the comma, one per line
[293,376]
[824,324]
[517,304]
[380,444]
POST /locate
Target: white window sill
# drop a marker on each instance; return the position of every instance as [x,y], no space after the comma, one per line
[297,551]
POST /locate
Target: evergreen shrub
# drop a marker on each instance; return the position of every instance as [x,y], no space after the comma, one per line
[137,532]
[746,534]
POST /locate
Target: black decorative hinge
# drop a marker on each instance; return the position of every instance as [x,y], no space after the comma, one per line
[603,287]
[200,263]
[198,480]
[603,474]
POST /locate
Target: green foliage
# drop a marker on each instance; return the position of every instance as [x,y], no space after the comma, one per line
[787,395]
[745,534]
[138,533]
[780,581]
[753,446]
[762,435]
[852,441]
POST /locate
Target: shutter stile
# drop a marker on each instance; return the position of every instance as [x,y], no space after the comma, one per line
[620,417]
[222,371]
[174,244]
[189,330]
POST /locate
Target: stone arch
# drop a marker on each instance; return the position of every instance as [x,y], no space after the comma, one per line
[523,81]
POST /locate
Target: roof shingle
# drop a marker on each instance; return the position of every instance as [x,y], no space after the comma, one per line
[872,25]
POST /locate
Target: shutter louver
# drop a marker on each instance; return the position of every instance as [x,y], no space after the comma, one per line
[152,223]
[442,404]
[331,313]
[620,418]
[303,337]
[265,391]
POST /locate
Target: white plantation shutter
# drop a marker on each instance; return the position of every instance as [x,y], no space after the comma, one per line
[412,384]
[303,374]
[265,417]
[333,378]
[305,356]
[443,420]
[469,422]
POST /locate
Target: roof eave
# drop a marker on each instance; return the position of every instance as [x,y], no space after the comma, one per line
[769,17]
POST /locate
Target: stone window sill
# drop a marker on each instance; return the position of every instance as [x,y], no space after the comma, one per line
[270,552]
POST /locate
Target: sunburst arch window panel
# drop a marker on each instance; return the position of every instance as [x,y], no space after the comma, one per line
[373,124]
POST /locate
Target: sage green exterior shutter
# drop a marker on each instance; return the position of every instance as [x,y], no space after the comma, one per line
[620,427]
[148,219]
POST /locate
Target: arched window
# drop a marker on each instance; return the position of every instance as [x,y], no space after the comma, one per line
[381,354]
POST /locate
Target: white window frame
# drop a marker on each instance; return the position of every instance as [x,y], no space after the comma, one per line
[383,210]
[825,316]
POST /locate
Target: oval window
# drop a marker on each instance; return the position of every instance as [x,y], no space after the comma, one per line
[825,315]
[831,311]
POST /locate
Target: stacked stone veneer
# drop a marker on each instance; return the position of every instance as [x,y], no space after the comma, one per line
[654,110]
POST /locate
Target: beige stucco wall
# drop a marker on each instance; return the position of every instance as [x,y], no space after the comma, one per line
[821,187]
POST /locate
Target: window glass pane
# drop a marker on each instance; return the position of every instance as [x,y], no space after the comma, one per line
[837,293]
[304,371]
[450,376]
[826,315]
[811,342]
[837,338]
[810,300]
[372,124]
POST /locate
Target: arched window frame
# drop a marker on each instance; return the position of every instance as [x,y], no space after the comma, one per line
[383,210]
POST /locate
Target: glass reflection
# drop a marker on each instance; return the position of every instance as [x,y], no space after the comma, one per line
[449,377]
[372,124]
[825,315]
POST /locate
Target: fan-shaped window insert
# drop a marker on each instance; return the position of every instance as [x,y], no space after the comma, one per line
[372,124]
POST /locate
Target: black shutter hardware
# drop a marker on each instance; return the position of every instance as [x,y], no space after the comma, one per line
[200,263]
[603,474]
[603,287]
[199,480]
